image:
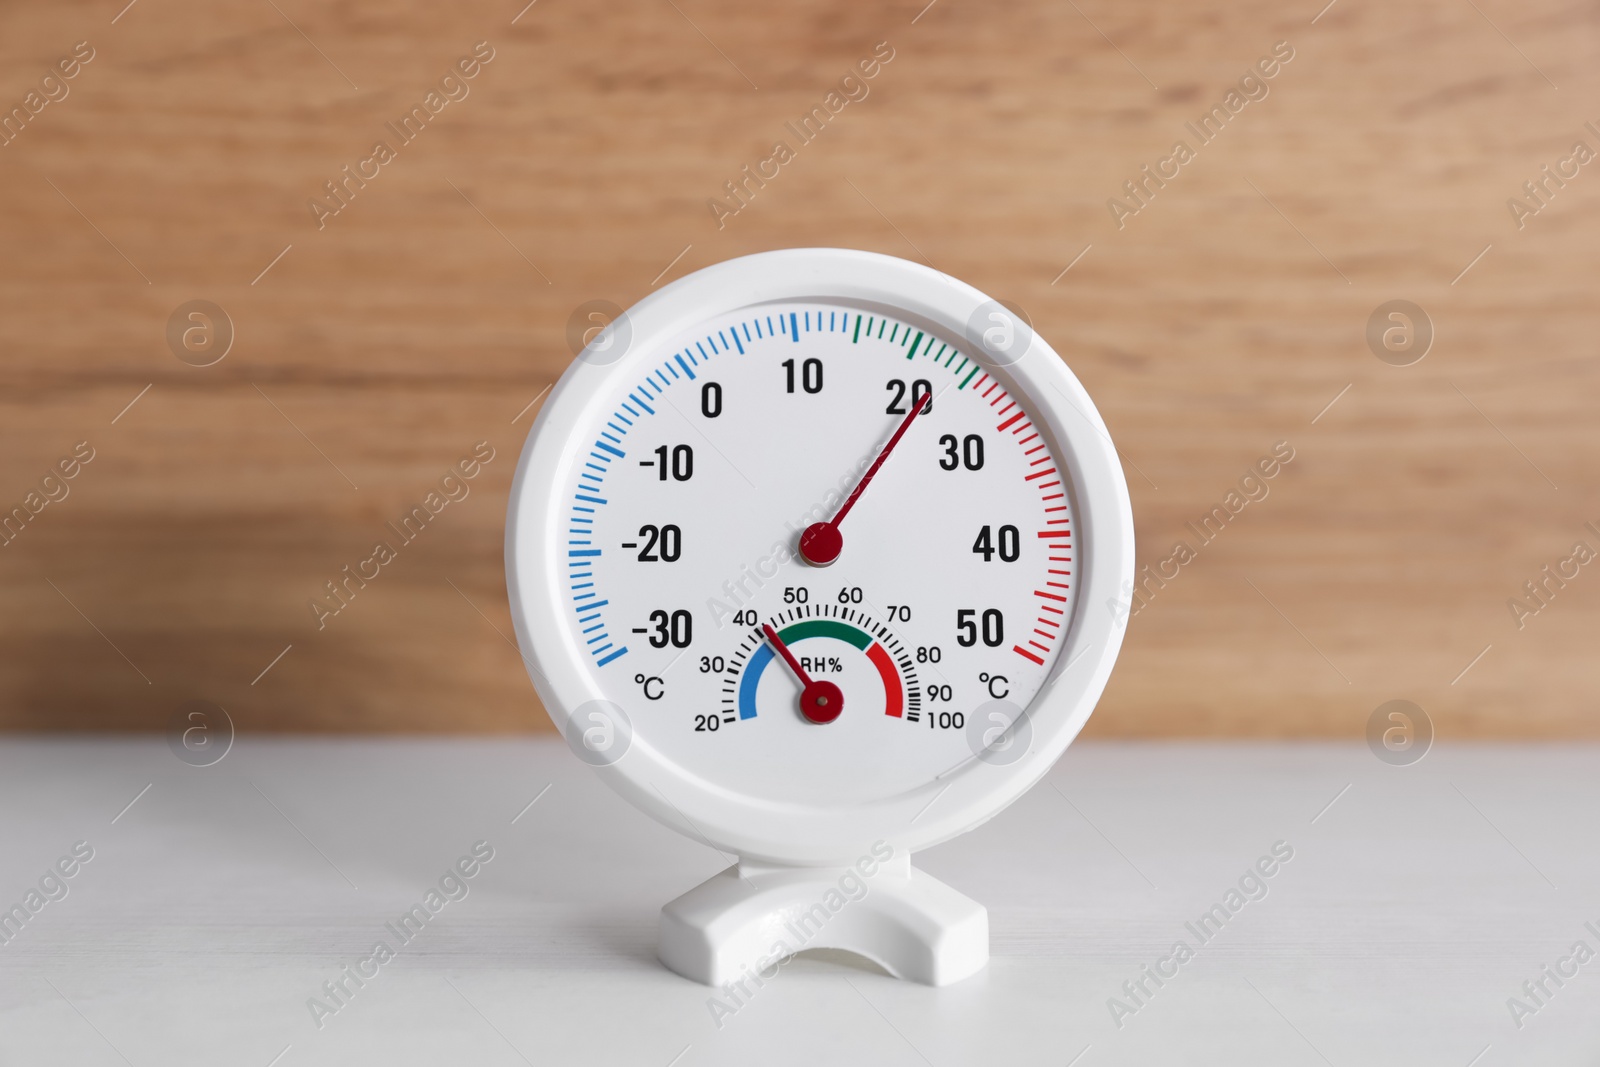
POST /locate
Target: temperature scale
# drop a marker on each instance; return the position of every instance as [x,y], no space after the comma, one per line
[816,556]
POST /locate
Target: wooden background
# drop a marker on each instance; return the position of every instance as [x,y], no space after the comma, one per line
[432,310]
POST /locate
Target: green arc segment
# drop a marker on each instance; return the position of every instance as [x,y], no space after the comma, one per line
[850,635]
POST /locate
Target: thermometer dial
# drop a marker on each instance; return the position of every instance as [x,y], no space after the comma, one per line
[819,547]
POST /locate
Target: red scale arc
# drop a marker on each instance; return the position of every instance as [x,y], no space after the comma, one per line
[1048,482]
[894,697]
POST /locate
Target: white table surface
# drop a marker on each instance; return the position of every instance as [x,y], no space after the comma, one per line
[217,904]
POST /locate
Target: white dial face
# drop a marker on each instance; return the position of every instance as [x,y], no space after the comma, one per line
[684,500]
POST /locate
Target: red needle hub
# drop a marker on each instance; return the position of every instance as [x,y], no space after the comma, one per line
[820,702]
[821,542]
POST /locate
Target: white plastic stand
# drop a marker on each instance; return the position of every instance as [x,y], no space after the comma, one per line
[753,916]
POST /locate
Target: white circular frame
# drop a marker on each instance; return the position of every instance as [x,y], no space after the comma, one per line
[796,833]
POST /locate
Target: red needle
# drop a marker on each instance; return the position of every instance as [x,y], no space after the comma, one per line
[819,701]
[821,542]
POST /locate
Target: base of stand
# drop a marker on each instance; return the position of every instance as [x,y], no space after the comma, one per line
[753,916]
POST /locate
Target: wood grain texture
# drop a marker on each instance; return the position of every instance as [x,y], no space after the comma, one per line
[1219,320]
